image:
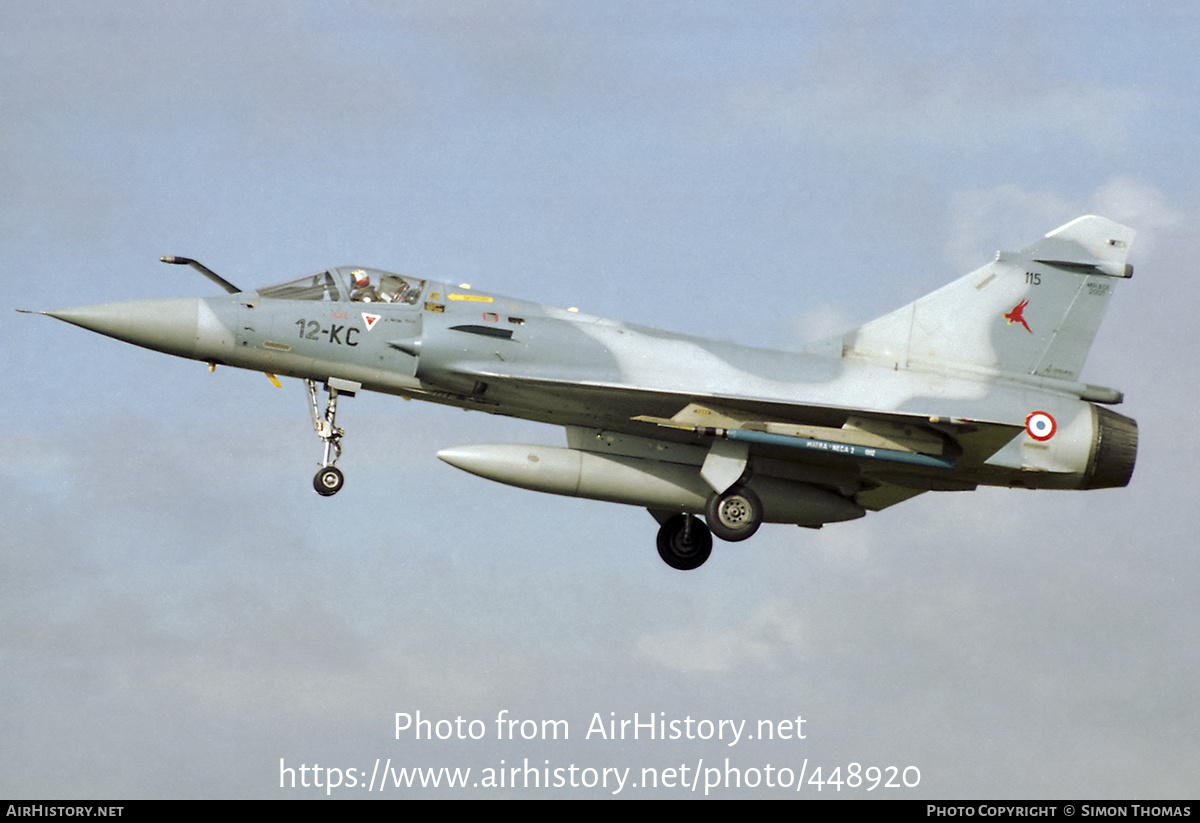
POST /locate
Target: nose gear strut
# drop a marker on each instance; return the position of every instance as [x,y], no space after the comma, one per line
[329,478]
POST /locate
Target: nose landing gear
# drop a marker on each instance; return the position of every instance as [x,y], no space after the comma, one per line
[329,480]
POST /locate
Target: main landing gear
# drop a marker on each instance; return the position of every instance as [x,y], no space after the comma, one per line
[685,542]
[735,514]
[329,479]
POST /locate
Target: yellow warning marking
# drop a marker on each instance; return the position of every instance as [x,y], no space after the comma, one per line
[474,298]
[274,380]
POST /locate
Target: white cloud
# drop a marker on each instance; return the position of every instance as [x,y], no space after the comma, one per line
[773,632]
[822,322]
[985,221]
[885,74]
[1008,217]
[1129,200]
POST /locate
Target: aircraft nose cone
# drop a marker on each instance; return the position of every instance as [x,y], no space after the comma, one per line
[167,325]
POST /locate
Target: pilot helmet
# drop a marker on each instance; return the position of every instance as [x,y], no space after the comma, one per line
[361,279]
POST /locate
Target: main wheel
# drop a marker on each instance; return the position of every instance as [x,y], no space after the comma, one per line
[328,481]
[735,514]
[684,542]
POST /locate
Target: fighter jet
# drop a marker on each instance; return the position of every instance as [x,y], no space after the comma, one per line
[974,384]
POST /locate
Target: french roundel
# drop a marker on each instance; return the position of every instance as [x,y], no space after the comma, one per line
[1040,425]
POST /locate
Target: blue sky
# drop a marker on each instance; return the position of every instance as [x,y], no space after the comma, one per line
[178,610]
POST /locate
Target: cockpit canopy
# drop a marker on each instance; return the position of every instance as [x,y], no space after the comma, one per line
[349,283]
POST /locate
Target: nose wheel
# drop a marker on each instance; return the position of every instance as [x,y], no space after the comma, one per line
[329,480]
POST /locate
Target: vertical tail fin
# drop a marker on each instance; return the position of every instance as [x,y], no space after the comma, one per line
[1031,312]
